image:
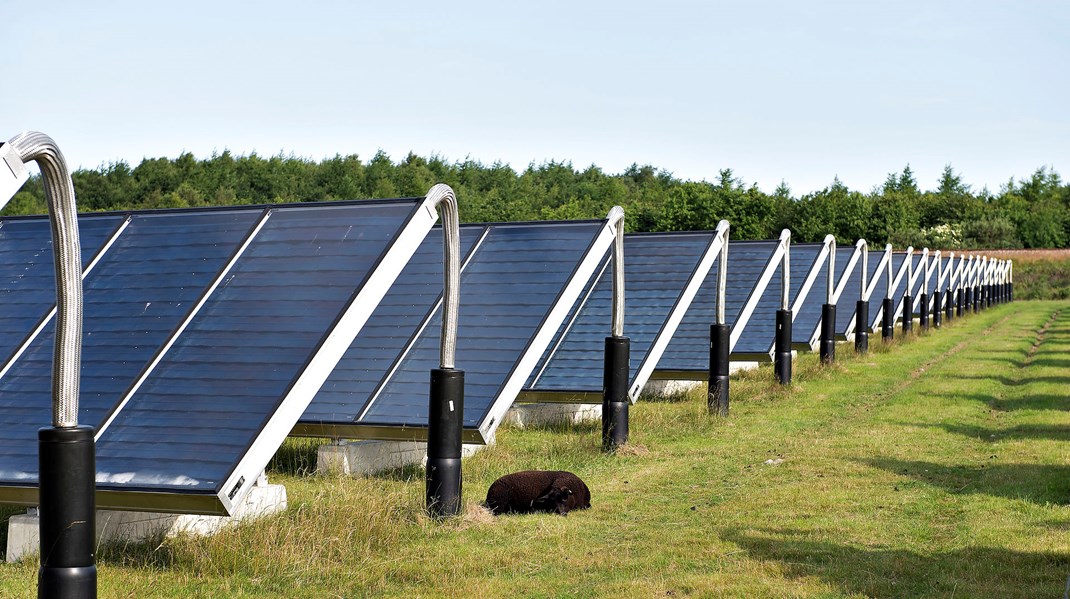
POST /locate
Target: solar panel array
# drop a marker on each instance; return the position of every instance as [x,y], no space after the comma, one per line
[209,334]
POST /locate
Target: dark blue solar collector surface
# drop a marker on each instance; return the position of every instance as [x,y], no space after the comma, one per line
[28,275]
[215,389]
[508,287]
[880,289]
[807,313]
[134,299]
[851,282]
[689,350]
[393,325]
[657,267]
[914,286]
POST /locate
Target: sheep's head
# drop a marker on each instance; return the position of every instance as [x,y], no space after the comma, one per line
[555,499]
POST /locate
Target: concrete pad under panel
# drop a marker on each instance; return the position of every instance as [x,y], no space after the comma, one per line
[549,414]
[364,457]
[23,536]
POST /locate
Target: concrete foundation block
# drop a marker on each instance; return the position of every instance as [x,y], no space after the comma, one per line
[669,387]
[112,525]
[362,458]
[543,414]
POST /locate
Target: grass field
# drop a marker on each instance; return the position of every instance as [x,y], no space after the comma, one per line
[936,467]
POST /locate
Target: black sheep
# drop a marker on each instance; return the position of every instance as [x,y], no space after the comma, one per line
[538,491]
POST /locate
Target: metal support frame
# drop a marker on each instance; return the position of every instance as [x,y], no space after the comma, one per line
[1010,280]
[782,345]
[888,305]
[967,287]
[617,348]
[862,307]
[827,347]
[938,293]
[1000,277]
[923,299]
[67,452]
[908,299]
[949,296]
[717,387]
[445,420]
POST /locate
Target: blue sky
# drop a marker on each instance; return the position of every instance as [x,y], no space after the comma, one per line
[792,91]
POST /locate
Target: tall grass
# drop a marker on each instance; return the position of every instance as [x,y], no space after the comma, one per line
[1042,279]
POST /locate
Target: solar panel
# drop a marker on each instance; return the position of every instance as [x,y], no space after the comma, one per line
[134,298]
[880,289]
[251,320]
[657,269]
[518,284]
[929,283]
[848,288]
[909,285]
[688,354]
[395,323]
[806,329]
[809,290]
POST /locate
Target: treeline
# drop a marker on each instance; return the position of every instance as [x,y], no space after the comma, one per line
[1032,212]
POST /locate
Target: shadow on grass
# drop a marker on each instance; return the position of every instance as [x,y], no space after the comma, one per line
[1051,363]
[1038,483]
[1045,401]
[1012,382]
[992,435]
[892,572]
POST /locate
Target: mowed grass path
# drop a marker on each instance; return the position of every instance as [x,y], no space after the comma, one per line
[938,467]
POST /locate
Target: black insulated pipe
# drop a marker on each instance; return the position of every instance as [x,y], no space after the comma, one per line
[615,393]
[908,314]
[923,310]
[977,299]
[717,388]
[445,421]
[938,313]
[67,513]
[967,299]
[888,320]
[782,356]
[828,333]
[949,307]
[862,326]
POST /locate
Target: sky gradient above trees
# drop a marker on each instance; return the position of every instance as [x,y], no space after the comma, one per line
[777,91]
